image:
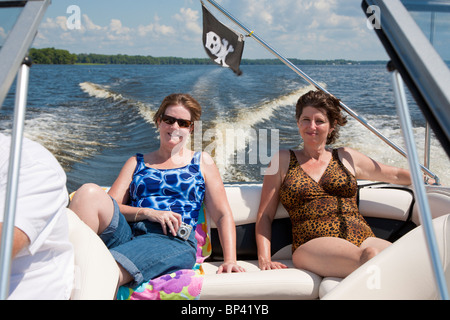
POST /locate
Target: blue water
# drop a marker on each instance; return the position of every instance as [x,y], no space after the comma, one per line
[93,118]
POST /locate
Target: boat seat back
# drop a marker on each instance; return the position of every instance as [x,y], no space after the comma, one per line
[387,210]
[96,272]
[439,201]
[398,271]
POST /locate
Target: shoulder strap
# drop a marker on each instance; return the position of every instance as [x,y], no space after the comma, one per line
[196,157]
[339,162]
[293,159]
[293,162]
[140,162]
[139,157]
[335,154]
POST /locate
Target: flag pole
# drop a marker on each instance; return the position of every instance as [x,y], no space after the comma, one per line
[294,68]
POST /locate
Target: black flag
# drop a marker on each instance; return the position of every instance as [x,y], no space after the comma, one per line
[222,44]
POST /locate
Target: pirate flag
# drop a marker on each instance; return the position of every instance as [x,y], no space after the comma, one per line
[222,44]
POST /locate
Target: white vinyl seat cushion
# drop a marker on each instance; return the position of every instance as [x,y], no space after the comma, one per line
[282,284]
[96,271]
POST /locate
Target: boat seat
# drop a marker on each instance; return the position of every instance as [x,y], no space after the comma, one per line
[407,259]
[288,283]
[96,272]
[282,284]
[403,271]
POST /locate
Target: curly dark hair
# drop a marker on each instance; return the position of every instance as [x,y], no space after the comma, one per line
[331,105]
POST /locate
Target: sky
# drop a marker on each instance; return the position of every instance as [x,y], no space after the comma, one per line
[302,29]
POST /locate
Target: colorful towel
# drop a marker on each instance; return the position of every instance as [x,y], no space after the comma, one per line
[181,285]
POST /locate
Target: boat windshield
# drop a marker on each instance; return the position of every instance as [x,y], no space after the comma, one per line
[415,34]
[9,12]
[433,18]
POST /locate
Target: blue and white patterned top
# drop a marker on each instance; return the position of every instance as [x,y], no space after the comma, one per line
[180,190]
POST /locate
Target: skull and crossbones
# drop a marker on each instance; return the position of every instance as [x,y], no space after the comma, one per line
[218,47]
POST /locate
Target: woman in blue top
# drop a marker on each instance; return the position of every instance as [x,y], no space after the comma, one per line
[154,195]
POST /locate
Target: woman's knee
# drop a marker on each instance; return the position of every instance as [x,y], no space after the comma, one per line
[377,243]
[300,258]
[88,190]
[367,254]
[88,197]
[93,205]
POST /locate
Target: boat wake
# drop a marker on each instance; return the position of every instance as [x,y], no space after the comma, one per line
[230,137]
[104,92]
[239,136]
[75,131]
[355,136]
[99,91]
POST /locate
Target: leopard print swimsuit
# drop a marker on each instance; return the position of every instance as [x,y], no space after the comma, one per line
[327,208]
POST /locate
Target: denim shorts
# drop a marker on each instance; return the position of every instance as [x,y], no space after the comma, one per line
[145,251]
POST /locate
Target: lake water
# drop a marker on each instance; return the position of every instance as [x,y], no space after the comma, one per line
[93,118]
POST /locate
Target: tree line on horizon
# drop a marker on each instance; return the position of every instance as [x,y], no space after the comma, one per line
[60,56]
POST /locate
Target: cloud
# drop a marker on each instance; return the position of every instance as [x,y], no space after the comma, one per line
[305,29]
[54,23]
[155,29]
[308,29]
[88,25]
[190,20]
[114,37]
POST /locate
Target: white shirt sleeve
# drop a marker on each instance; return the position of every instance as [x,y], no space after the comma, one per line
[44,270]
[42,194]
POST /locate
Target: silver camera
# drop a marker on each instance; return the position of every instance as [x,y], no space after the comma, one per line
[184,231]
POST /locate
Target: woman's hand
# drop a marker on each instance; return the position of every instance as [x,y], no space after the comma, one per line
[229,267]
[428,180]
[271,265]
[169,220]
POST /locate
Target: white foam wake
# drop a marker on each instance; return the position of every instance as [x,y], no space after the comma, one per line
[99,91]
[104,92]
[241,128]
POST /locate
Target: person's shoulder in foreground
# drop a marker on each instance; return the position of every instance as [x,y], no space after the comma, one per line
[42,266]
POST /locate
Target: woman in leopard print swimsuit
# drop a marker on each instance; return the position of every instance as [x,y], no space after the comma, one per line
[318,187]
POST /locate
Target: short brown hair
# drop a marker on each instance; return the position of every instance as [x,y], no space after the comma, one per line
[331,105]
[181,99]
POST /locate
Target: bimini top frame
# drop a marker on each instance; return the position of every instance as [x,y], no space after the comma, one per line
[12,56]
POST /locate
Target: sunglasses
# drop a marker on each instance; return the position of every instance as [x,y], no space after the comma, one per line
[181,122]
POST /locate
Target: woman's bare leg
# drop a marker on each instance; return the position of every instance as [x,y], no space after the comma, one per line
[376,243]
[95,208]
[335,257]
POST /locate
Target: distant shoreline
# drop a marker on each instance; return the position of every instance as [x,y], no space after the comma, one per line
[52,56]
